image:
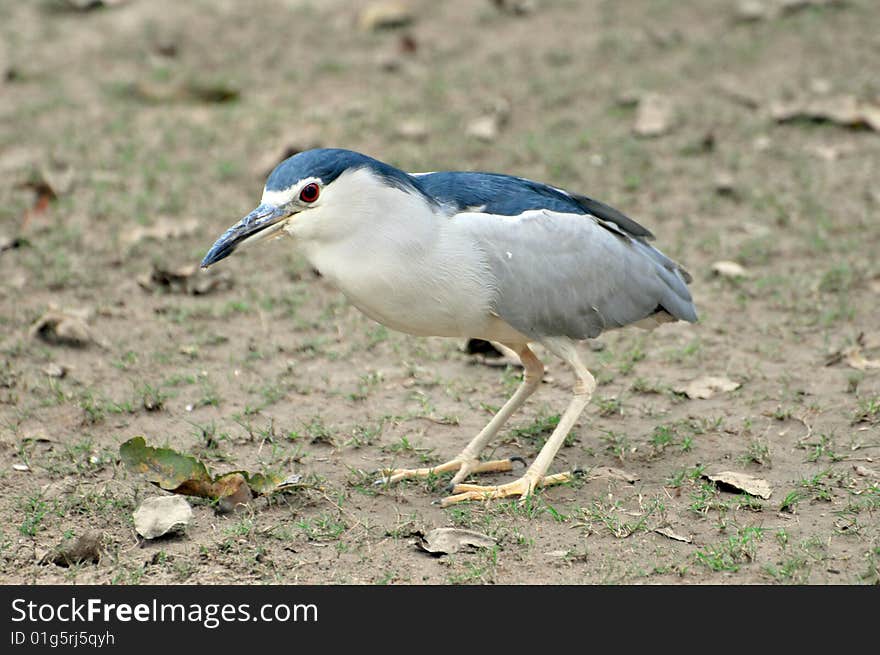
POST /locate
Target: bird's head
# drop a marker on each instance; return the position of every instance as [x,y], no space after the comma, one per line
[313,194]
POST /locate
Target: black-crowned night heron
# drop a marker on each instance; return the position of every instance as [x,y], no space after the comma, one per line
[462,254]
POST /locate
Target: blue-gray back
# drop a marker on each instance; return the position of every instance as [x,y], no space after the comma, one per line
[506,195]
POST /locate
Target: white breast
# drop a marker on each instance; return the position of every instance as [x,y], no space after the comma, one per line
[398,259]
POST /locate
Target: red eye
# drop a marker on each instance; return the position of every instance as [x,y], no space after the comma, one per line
[310,192]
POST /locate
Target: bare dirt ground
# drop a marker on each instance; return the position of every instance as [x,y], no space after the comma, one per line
[132,136]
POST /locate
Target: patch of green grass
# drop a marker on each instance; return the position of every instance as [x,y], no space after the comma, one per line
[616,444]
[789,503]
[868,411]
[33,510]
[663,436]
[795,569]
[324,527]
[480,570]
[824,448]
[365,435]
[818,486]
[731,554]
[610,406]
[540,429]
[641,385]
[607,515]
[681,476]
[838,279]
[688,353]
[705,498]
[757,452]
[367,383]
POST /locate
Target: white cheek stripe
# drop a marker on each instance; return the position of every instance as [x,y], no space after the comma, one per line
[282,197]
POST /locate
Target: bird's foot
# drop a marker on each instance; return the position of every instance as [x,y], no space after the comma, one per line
[463,467]
[522,488]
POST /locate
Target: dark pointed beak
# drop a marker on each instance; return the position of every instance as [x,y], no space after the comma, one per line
[261,219]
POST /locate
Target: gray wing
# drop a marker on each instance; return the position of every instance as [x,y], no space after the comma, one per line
[559,274]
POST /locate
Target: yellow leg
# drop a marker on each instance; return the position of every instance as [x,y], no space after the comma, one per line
[536,476]
[468,461]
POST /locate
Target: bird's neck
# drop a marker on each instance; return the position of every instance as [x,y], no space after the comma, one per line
[391,255]
[363,220]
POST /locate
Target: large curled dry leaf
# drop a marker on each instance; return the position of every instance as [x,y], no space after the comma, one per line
[442,541]
[186,475]
[707,386]
[742,482]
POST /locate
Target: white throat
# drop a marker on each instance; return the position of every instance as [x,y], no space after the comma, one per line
[395,256]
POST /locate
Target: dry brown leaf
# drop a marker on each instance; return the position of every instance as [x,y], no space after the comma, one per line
[55,370]
[742,482]
[9,243]
[730,269]
[611,473]
[484,128]
[756,10]
[188,279]
[63,327]
[160,515]
[86,548]
[88,5]
[488,126]
[654,116]
[707,386]
[234,492]
[791,6]
[670,534]
[492,353]
[162,230]
[866,472]
[385,14]
[515,7]
[855,359]
[184,91]
[847,110]
[442,541]
[413,130]
[853,356]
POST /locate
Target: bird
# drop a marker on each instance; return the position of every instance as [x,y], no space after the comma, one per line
[469,254]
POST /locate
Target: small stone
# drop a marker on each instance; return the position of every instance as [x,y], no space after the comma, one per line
[724,184]
[751,10]
[654,116]
[484,128]
[413,130]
